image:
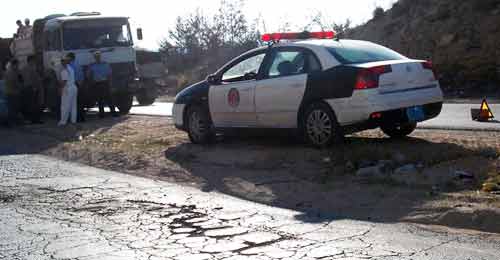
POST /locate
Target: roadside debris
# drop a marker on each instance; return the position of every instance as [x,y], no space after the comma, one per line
[407,174]
[463,175]
[370,172]
[399,158]
[491,187]
[382,169]
[416,174]
[408,169]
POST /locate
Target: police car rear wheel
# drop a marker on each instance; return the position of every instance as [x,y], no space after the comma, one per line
[320,126]
[199,126]
[398,130]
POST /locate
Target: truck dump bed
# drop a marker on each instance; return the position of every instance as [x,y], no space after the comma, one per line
[21,48]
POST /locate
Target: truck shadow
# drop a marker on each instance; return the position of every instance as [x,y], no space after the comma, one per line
[321,185]
[34,139]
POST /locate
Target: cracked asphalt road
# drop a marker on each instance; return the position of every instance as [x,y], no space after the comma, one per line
[50,209]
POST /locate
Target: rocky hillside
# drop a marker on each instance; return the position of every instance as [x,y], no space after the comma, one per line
[462,38]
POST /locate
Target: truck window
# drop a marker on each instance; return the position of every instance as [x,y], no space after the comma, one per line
[100,33]
[52,40]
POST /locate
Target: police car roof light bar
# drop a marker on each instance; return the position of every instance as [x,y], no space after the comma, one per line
[276,37]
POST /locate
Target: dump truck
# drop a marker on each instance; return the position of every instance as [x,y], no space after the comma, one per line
[84,33]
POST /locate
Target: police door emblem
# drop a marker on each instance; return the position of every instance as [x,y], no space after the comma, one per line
[233,97]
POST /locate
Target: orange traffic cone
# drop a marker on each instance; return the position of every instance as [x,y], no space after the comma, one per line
[483,114]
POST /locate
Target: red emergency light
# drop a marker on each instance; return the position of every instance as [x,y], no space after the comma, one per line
[297,36]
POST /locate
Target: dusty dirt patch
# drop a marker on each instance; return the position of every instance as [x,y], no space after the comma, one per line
[283,173]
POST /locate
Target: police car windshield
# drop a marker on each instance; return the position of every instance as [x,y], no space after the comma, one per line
[354,52]
[99,33]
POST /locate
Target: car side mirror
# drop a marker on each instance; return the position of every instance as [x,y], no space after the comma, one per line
[250,76]
[139,34]
[213,79]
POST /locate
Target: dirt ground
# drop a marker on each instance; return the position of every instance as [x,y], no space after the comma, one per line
[275,170]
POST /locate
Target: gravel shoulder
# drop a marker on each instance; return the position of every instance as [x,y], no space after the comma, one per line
[278,172]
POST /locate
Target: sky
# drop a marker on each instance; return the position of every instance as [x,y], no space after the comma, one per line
[156,17]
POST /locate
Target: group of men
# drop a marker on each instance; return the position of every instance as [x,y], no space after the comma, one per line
[25,93]
[23,30]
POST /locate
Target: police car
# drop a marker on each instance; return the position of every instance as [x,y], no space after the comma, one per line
[322,86]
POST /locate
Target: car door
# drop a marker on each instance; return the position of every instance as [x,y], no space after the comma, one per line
[279,94]
[232,101]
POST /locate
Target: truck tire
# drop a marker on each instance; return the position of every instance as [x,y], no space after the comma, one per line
[145,98]
[124,103]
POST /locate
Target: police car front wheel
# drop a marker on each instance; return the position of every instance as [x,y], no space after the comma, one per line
[320,126]
[199,126]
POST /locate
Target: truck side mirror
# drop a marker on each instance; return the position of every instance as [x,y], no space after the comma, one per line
[139,34]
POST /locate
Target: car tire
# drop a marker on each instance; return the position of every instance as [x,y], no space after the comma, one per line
[398,130]
[199,126]
[320,127]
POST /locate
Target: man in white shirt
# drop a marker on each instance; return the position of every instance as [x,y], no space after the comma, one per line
[69,94]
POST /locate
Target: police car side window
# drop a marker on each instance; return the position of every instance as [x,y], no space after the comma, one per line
[238,71]
[313,63]
[287,63]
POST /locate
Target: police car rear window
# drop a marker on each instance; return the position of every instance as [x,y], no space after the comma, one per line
[362,52]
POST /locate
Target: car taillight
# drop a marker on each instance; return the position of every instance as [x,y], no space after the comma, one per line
[428,66]
[368,78]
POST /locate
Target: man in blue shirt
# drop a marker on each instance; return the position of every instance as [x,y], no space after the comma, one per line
[80,84]
[99,75]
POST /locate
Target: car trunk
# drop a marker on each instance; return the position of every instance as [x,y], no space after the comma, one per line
[403,75]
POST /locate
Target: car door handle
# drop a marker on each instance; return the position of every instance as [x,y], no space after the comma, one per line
[296,85]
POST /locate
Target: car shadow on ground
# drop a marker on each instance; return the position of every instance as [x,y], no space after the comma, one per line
[321,185]
[34,139]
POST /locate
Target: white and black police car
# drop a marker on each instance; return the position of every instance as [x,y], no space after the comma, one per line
[320,85]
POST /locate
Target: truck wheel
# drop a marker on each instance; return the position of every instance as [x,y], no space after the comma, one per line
[199,126]
[398,130]
[124,103]
[320,127]
[145,98]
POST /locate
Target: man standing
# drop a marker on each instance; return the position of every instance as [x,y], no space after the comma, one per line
[99,75]
[69,94]
[20,29]
[80,84]
[12,91]
[28,29]
[33,90]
